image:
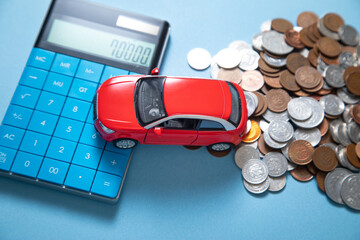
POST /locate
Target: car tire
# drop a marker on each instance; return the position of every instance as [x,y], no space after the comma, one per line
[125,143]
[220,147]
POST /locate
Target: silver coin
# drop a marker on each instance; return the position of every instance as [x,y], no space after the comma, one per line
[277,183]
[265,26]
[248,126]
[255,171]
[271,142]
[245,153]
[311,135]
[228,58]
[280,130]
[353,130]
[257,42]
[264,125]
[347,59]
[348,35]
[316,118]
[321,67]
[285,150]
[251,102]
[350,191]
[333,182]
[305,52]
[298,109]
[332,104]
[343,160]
[346,114]
[199,58]
[291,166]
[326,32]
[239,45]
[214,67]
[330,145]
[249,59]
[257,188]
[271,116]
[347,96]
[343,134]
[326,86]
[274,62]
[253,145]
[274,42]
[276,163]
[334,129]
[334,76]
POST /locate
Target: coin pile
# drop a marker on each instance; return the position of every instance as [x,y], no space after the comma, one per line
[302,88]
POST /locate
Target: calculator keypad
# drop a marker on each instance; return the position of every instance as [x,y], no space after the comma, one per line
[48,134]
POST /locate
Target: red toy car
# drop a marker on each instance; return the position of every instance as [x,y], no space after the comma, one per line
[170,110]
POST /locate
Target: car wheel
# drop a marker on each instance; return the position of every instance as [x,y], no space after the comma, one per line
[124,143]
[220,147]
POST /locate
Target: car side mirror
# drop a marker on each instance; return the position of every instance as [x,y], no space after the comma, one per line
[155,71]
[158,130]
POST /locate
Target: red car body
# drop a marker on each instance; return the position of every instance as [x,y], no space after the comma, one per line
[187,111]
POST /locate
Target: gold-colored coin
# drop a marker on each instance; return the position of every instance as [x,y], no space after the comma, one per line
[253,134]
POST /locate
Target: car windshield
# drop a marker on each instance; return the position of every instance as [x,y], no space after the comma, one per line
[149,102]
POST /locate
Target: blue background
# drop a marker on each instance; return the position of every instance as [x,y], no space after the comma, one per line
[171,192]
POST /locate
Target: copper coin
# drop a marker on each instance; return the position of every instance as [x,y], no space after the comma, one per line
[348,49]
[301,173]
[272,55]
[323,127]
[273,82]
[305,39]
[265,89]
[355,113]
[329,47]
[320,179]
[313,57]
[261,102]
[314,29]
[218,154]
[324,91]
[301,93]
[252,80]
[253,134]
[351,155]
[307,77]
[311,35]
[287,80]
[232,75]
[191,147]
[306,19]
[277,74]
[330,61]
[266,67]
[278,100]
[333,21]
[353,83]
[312,168]
[264,108]
[357,149]
[350,70]
[281,25]
[300,152]
[295,61]
[292,38]
[325,159]
[315,89]
[326,138]
[263,147]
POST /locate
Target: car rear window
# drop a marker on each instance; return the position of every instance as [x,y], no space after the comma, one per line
[236,108]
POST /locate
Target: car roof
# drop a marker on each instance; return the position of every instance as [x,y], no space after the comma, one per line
[195,96]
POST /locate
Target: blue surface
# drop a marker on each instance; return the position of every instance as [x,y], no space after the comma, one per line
[170,192]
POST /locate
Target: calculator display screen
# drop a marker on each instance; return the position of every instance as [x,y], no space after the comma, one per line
[103,44]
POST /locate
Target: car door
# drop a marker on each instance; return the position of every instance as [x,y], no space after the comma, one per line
[179,131]
[210,132]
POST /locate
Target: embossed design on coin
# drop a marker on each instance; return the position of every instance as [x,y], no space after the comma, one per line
[275,43]
[280,130]
[325,159]
[255,171]
[277,183]
[298,109]
[276,163]
[312,135]
[300,152]
[245,153]
[333,182]
[350,191]
[277,100]
[252,80]
[257,188]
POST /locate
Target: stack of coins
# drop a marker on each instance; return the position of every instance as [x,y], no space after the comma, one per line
[302,87]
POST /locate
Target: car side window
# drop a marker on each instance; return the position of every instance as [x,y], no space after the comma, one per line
[208,125]
[180,123]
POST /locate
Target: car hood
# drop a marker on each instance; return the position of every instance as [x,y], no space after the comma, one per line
[115,104]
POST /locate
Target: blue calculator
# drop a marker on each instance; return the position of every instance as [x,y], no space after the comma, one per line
[47,136]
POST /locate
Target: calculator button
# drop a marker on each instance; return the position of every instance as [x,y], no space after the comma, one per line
[17,116]
[106,184]
[89,70]
[110,72]
[25,96]
[83,90]
[61,149]
[87,156]
[110,147]
[35,143]
[7,156]
[10,136]
[40,58]
[113,163]
[91,137]
[90,118]
[58,83]
[50,102]
[43,122]
[65,64]
[76,109]
[68,129]
[79,177]
[53,171]
[26,164]
[33,77]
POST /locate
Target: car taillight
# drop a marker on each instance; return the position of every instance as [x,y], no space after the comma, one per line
[107,130]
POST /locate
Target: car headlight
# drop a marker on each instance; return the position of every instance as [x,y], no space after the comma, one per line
[107,130]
